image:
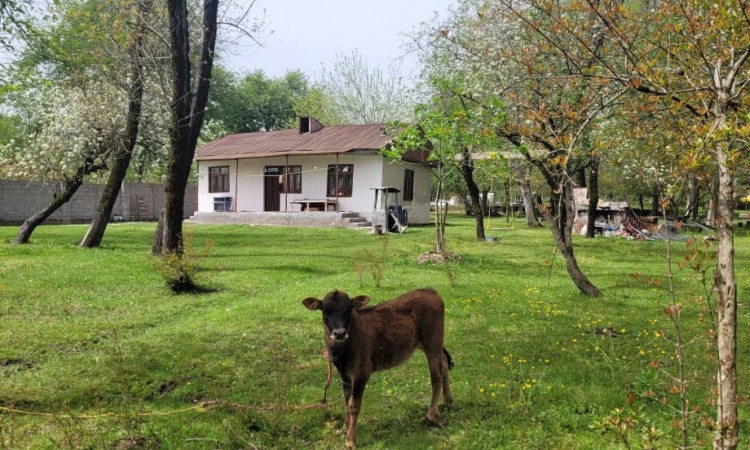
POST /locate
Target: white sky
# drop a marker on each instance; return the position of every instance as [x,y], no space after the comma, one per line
[307,35]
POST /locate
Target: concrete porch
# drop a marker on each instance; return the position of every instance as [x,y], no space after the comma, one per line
[345,219]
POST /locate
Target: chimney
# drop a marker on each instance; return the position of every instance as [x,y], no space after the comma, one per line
[308,124]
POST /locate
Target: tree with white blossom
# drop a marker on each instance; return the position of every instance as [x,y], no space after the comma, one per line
[70,132]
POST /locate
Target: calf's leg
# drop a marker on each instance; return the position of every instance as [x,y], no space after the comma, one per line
[352,410]
[347,395]
[434,361]
[447,395]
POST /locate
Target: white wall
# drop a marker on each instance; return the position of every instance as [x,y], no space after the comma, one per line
[369,171]
[206,199]
[419,207]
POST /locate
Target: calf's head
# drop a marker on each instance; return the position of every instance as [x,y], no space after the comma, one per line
[337,310]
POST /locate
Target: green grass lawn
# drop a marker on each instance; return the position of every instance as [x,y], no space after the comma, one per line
[96,353]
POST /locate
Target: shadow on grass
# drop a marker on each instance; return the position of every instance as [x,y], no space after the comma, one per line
[190,288]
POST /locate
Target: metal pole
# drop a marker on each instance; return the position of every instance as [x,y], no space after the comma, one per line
[336,183]
[236,178]
[286,184]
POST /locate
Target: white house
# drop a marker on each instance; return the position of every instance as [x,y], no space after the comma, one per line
[273,176]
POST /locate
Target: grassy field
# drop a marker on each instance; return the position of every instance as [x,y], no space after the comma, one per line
[96,353]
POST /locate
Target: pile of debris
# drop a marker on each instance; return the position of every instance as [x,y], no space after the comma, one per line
[618,219]
[635,226]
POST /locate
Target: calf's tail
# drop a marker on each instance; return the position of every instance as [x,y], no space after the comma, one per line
[448,357]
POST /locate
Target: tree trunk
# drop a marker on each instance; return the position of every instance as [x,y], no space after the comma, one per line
[525,184]
[580,176]
[88,166]
[467,171]
[508,206]
[187,112]
[558,227]
[655,203]
[440,215]
[560,215]
[713,201]
[122,157]
[695,213]
[156,244]
[693,191]
[725,286]
[485,195]
[593,192]
[30,224]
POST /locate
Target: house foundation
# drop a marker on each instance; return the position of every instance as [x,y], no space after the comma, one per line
[282,219]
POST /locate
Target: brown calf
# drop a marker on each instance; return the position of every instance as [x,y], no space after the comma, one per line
[363,340]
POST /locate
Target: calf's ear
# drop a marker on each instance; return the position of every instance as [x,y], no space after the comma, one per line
[312,303]
[361,301]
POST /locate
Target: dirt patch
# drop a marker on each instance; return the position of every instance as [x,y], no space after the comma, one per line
[14,365]
[608,332]
[16,362]
[134,442]
[438,258]
[167,387]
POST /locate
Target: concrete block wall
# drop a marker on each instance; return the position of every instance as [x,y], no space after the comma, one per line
[137,201]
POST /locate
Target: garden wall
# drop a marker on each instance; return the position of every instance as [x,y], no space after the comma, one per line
[136,202]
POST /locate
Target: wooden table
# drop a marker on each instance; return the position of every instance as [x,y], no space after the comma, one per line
[317,204]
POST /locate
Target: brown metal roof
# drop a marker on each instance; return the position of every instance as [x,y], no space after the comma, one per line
[331,139]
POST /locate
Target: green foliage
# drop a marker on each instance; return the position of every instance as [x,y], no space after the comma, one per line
[254,102]
[453,128]
[14,21]
[82,52]
[88,333]
[9,126]
[78,40]
[623,423]
[375,264]
[179,270]
[318,104]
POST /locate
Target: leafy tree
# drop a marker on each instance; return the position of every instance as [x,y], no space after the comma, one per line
[189,101]
[318,104]
[78,40]
[123,152]
[521,172]
[9,126]
[546,110]
[692,58]
[83,42]
[255,102]
[14,21]
[354,93]
[72,132]
[452,132]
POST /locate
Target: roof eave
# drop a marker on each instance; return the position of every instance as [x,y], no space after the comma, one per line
[359,151]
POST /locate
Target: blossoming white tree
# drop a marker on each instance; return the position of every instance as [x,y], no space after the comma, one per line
[70,134]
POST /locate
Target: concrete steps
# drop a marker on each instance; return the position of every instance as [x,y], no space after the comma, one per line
[354,220]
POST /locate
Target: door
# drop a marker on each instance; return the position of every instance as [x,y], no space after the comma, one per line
[272,188]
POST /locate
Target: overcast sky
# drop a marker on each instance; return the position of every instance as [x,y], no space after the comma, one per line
[309,34]
[305,35]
